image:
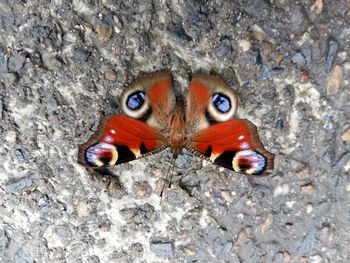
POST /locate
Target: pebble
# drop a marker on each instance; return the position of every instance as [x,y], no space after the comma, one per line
[317,7]
[308,243]
[266,49]
[22,184]
[223,49]
[244,45]
[259,34]
[3,62]
[81,55]
[308,189]
[223,249]
[189,251]
[21,154]
[110,75]
[334,80]
[346,135]
[281,190]
[16,62]
[1,108]
[333,48]
[347,168]
[104,32]
[11,137]
[175,197]
[266,225]
[162,249]
[41,32]
[8,79]
[142,189]
[298,21]
[298,59]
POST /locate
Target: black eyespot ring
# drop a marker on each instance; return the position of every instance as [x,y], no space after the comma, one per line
[135,100]
[221,102]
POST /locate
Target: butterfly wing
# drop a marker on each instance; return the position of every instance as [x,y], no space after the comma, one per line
[120,139]
[233,144]
[214,134]
[147,104]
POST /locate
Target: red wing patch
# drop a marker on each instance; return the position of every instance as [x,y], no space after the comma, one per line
[119,139]
[235,145]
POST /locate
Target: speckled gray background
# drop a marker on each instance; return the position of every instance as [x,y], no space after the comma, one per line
[64,63]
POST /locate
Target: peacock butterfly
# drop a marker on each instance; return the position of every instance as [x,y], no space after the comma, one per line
[155,118]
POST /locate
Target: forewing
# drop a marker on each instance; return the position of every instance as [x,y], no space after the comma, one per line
[209,101]
[156,92]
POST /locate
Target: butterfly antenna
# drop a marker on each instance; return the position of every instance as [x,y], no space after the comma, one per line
[169,176]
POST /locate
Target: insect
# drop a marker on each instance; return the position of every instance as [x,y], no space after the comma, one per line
[155,118]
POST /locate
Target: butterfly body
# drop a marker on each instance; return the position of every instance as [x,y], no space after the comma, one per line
[155,119]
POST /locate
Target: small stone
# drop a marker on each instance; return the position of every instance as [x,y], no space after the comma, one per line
[162,249]
[317,7]
[308,189]
[281,190]
[298,21]
[4,240]
[308,243]
[23,184]
[3,63]
[333,48]
[227,196]
[309,209]
[51,63]
[278,58]
[21,154]
[334,80]
[8,79]
[266,225]
[111,75]
[266,49]
[315,259]
[11,137]
[104,32]
[81,55]
[223,49]
[223,249]
[298,59]
[189,251]
[1,108]
[41,32]
[244,45]
[142,189]
[175,198]
[136,250]
[259,34]
[347,167]
[348,185]
[16,62]
[83,209]
[346,135]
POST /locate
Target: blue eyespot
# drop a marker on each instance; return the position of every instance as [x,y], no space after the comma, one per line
[135,100]
[221,102]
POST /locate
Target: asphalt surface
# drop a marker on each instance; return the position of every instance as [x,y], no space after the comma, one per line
[63,65]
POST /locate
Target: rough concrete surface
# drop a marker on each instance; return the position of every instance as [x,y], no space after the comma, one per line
[63,64]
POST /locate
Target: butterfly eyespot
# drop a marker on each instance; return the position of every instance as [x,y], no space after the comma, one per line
[221,102]
[135,100]
[135,104]
[222,106]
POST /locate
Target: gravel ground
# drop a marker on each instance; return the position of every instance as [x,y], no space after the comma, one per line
[63,64]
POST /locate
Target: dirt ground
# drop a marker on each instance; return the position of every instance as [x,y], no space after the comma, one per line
[63,64]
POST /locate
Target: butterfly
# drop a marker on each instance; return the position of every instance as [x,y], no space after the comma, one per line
[155,118]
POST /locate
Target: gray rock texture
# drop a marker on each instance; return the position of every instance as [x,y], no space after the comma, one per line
[63,65]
